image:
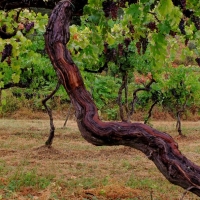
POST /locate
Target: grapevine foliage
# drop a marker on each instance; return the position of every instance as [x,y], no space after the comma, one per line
[23,59]
[143,38]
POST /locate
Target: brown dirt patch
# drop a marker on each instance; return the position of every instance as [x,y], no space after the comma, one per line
[114,191]
[6,152]
[81,170]
[44,152]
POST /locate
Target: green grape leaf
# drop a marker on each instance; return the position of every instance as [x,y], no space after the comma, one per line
[15,68]
[110,39]
[165,7]
[164,27]
[134,10]
[175,17]
[3,102]
[1,84]
[15,78]
[1,75]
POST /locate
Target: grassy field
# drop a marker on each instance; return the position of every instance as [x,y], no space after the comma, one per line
[74,169]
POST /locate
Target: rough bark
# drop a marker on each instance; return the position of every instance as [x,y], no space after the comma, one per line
[135,98]
[150,111]
[68,114]
[157,146]
[178,123]
[49,111]
[119,100]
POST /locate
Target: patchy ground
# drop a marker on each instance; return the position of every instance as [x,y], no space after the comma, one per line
[74,169]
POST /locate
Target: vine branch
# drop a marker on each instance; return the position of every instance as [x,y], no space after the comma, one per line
[157,146]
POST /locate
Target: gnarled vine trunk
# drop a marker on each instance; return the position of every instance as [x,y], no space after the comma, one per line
[157,146]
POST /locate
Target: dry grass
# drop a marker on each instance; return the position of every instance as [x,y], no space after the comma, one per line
[74,169]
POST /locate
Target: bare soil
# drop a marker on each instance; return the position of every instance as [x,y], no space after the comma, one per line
[79,170]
